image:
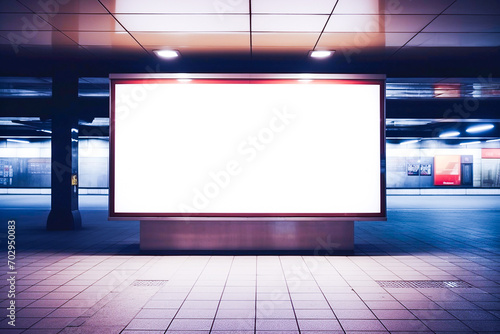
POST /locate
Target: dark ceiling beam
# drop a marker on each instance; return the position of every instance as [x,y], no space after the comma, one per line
[409,62]
[459,109]
[26,107]
[85,108]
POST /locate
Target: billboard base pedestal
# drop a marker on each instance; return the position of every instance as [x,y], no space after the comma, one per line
[317,237]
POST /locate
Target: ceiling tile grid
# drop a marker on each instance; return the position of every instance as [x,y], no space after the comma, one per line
[85,22]
[454,39]
[468,7]
[184,22]
[236,25]
[465,23]
[293,6]
[218,7]
[63,6]
[288,23]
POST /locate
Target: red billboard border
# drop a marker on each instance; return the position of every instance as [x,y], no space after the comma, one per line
[220,79]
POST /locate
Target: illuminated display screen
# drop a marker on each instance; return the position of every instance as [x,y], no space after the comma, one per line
[247,148]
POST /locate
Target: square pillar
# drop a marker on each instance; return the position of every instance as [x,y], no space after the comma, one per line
[64,213]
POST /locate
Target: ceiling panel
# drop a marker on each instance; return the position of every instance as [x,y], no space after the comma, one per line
[417,6]
[292,6]
[406,23]
[43,38]
[475,7]
[353,23]
[196,50]
[177,6]
[54,7]
[465,23]
[102,38]
[357,7]
[376,23]
[456,40]
[28,23]
[12,6]
[85,22]
[397,39]
[351,39]
[266,51]
[369,28]
[201,23]
[162,39]
[307,40]
[283,23]
[122,50]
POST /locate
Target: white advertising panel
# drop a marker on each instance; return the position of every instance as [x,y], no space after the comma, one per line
[243,148]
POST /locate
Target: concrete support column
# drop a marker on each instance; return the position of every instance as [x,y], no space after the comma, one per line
[64,213]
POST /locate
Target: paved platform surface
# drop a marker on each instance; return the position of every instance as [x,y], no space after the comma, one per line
[86,281]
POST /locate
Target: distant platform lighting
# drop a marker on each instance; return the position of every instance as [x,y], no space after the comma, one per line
[409,142]
[479,128]
[18,141]
[449,134]
[470,143]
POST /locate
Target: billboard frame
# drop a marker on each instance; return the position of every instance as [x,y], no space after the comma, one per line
[167,77]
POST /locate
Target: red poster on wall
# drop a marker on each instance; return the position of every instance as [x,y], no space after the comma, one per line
[447,170]
[490,153]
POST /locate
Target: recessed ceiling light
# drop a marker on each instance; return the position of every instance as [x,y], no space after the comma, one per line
[449,134]
[320,53]
[493,140]
[471,143]
[479,128]
[167,54]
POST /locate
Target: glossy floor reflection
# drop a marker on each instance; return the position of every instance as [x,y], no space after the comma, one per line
[84,281]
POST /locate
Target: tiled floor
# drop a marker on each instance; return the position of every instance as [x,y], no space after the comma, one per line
[83,282]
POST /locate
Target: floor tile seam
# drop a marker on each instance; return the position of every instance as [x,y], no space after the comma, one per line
[187,258]
[223,289]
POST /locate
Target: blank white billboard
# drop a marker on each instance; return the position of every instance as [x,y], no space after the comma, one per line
[243,148]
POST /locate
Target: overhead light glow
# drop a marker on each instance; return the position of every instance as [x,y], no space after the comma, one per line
[46,131]
[471,143]
[480,128]
[321,53]
[18,141]
[167,54]
[493,140]
[409,142]
[449,134]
